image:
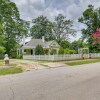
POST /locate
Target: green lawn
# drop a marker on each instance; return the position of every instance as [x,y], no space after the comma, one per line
[12,70]
[1,62]
[82,62]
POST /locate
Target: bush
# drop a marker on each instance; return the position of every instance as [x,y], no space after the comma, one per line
[13,54]
[68,51]
[46,51]
[53,52]
[2,49]
[39,50]
[61,51]
[72,51]
[20,56]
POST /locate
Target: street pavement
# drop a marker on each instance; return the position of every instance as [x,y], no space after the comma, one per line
[64,83]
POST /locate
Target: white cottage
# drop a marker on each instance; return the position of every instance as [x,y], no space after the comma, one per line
[29,47]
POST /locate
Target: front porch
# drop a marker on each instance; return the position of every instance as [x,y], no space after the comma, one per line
[26,51]
[31,51]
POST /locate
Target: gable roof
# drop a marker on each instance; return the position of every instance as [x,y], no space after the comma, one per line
[49,42]
[34,42]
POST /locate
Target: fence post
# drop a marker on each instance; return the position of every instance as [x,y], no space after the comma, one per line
[34,57]
[52,57]
[39,57]
[90,55]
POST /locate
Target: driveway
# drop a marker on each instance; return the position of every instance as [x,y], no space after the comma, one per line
[64,83]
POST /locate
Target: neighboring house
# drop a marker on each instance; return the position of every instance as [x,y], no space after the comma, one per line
[29,47]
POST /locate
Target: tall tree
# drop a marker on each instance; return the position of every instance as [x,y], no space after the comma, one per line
[2,42]
[90,18]
[41,27]
[2,36]
[65,44]
[23,30]
[12,24]
[62,28]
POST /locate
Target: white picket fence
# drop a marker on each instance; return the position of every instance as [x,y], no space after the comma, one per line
[94,55]
[61,57]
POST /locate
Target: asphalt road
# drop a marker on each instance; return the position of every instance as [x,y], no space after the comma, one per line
[64,83]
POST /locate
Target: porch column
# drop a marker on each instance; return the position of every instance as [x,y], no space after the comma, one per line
[33,51]
[22,50]
[57,50]
[49,51]
[17,51]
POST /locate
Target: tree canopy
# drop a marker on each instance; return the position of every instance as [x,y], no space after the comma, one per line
[41,27]
[62,28]
[91,18]
[58,30]
[11,26]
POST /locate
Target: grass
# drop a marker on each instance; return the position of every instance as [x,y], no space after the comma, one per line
[82,62]
[12,70]
[1,62]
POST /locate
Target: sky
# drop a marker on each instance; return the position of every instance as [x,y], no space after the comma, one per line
[72,9]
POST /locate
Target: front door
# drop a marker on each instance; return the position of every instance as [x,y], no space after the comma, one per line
[31,52]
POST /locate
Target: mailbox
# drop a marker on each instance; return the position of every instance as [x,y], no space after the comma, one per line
[6,59]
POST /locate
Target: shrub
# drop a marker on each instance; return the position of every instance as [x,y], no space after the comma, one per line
[20,56]
[68,51]
[39,50]
[2,49]
[72,51]
[53,52]
[13,54]
[46,51]
[61,51]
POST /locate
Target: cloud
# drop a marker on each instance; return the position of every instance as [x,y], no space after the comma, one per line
[72,9]
[20,2]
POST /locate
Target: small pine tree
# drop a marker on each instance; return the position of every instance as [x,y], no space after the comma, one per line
[39,50]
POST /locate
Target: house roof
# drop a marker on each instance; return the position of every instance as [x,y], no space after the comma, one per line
[48,43]
[34,42]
